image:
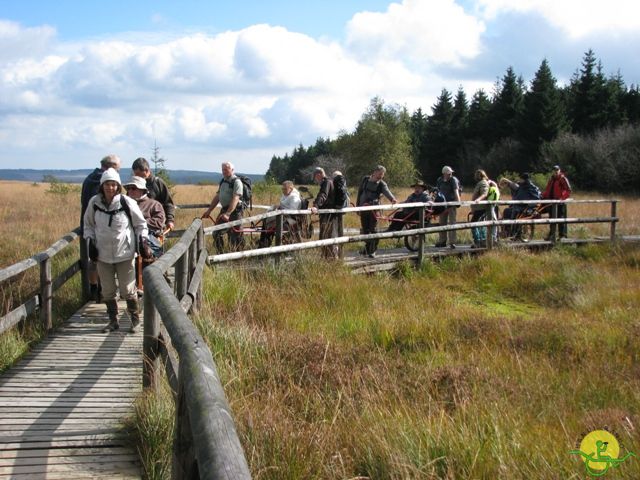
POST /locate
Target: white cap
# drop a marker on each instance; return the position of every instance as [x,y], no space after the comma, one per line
[139,182]
[110,174]
[447,169]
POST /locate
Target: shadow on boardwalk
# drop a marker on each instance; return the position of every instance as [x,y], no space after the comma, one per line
[63,404]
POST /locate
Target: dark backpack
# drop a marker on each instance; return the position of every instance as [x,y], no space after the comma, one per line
[363,187]
[246,197]
[340,192]
[439,198]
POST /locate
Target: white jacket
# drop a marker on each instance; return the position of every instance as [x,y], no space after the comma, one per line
[116,242]
[291,201]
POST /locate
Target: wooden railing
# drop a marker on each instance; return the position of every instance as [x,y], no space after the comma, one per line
[206,444]
[43,298]
[421,229]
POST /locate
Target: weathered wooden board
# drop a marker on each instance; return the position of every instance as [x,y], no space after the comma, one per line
[63,404]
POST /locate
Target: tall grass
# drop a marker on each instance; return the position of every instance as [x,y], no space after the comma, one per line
[473,368]
[468,368]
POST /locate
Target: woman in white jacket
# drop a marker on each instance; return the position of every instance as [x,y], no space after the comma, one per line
[113,223]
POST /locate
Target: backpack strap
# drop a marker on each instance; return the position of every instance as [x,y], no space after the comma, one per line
[124,207]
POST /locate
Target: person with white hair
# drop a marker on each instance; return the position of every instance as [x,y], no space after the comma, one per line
[113,226]
[449,186]
[229,196]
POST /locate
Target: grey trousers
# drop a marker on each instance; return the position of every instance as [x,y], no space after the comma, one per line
[125,272]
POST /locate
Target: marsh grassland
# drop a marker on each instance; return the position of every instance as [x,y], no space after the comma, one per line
[473,368]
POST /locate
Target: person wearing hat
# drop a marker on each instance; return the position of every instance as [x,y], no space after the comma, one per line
[558,188]
[401,217]
[449,186]
[151,209]
[156,188]
[372,187]
[91,186]
[525,189]
[112,225]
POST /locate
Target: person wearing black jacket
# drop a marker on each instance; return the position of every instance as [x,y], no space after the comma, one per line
[156,189]
[325,199]
[372,187]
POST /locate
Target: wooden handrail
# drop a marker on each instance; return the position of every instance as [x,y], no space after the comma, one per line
[43,300]
[278,249]
[206,444]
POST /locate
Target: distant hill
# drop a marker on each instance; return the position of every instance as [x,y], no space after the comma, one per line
[180,177]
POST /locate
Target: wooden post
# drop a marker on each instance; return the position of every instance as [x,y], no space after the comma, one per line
[46,294]
[614,207]
[553,226]
[193,259]
[181,273]
[340,231]
[489,215]
[279,228]
[420,237]
[150,357]
[184,464]
[84,271]
[200,237]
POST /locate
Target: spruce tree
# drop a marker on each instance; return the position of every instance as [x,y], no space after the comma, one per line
[587,93]
[440,148]
[507,106]
[543,117]
[459,127]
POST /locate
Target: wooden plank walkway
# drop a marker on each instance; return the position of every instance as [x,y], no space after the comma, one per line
[62,405]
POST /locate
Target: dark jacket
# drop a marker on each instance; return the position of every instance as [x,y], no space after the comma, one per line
[158,190]
[90,187]
[526,190]
[325,197]
[369,192]
[448,187]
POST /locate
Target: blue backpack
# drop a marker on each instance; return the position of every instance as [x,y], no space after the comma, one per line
[439,198]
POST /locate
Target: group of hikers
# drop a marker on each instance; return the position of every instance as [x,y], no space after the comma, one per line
[118,228]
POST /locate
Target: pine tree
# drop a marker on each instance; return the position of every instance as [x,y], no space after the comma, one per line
[543,117]
[587,91]
[507,106]
[459,133]
[631,104]
[440,149]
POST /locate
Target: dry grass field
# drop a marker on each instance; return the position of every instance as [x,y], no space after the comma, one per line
[473,368]
[33,219]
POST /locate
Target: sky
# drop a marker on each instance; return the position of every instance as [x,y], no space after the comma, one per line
[209,81]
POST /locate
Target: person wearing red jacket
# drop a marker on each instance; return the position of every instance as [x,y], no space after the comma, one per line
[558,188]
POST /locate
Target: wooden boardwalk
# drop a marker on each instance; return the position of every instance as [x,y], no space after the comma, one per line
[62,406]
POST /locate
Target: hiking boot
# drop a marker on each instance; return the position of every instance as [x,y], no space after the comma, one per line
[372,255]
[452,246]
[112,311]
[134,313]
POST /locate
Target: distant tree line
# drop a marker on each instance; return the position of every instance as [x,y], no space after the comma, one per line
[591,127]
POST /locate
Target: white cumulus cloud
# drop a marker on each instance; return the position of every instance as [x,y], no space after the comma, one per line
[577,17]
[427,32]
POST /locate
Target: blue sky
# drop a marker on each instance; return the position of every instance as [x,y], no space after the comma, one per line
[240,81]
